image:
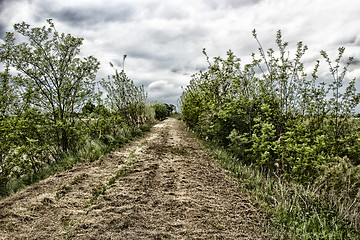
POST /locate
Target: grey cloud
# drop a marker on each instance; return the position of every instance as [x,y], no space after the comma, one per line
[346,40]
[171,13]
[2,2]
[142,54]
[167,93]
[87,16]
[176,69]
[157,59]
[5,3]
[3,30]
[214,4]
[164,39]
[4,25]
[351,40]
[201,68]
[182,35]
[242,3]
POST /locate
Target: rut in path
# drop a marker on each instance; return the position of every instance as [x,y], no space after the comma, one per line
[162,186]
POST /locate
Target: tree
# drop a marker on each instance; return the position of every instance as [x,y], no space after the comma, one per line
[88,108]
[161,111]
[56,81]
[7,92]
[170,108]
[124,97]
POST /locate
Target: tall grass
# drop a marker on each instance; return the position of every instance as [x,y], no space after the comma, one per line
[297,211]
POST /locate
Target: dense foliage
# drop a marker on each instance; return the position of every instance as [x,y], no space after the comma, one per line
[273,115]
[49,106]
[125,98]
[163,110]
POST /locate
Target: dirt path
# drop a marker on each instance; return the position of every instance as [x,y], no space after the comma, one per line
[162,186]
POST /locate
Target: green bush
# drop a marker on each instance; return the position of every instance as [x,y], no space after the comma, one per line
[160,111]
[282,119]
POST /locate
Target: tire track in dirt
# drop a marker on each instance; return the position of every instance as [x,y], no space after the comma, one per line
[165,188]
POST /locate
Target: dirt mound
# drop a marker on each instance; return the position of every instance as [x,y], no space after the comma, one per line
[162,186]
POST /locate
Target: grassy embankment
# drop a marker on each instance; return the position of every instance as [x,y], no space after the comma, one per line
[93,150]
[326,209]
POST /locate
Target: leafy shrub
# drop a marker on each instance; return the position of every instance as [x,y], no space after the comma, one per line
[272,114]
[160,111]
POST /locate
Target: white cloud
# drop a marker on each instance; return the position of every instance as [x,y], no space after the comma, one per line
[163,90]
[164,39]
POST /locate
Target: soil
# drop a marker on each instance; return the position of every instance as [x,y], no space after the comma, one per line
[161,186]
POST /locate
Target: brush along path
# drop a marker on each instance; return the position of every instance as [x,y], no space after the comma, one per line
[162,186]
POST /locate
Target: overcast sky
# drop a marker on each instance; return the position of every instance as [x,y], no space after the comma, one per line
[163,40]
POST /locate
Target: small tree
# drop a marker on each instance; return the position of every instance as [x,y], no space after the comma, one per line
[124,97]
[160,111]
[170,108]
[7,88]
[88,108]
[55,80]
